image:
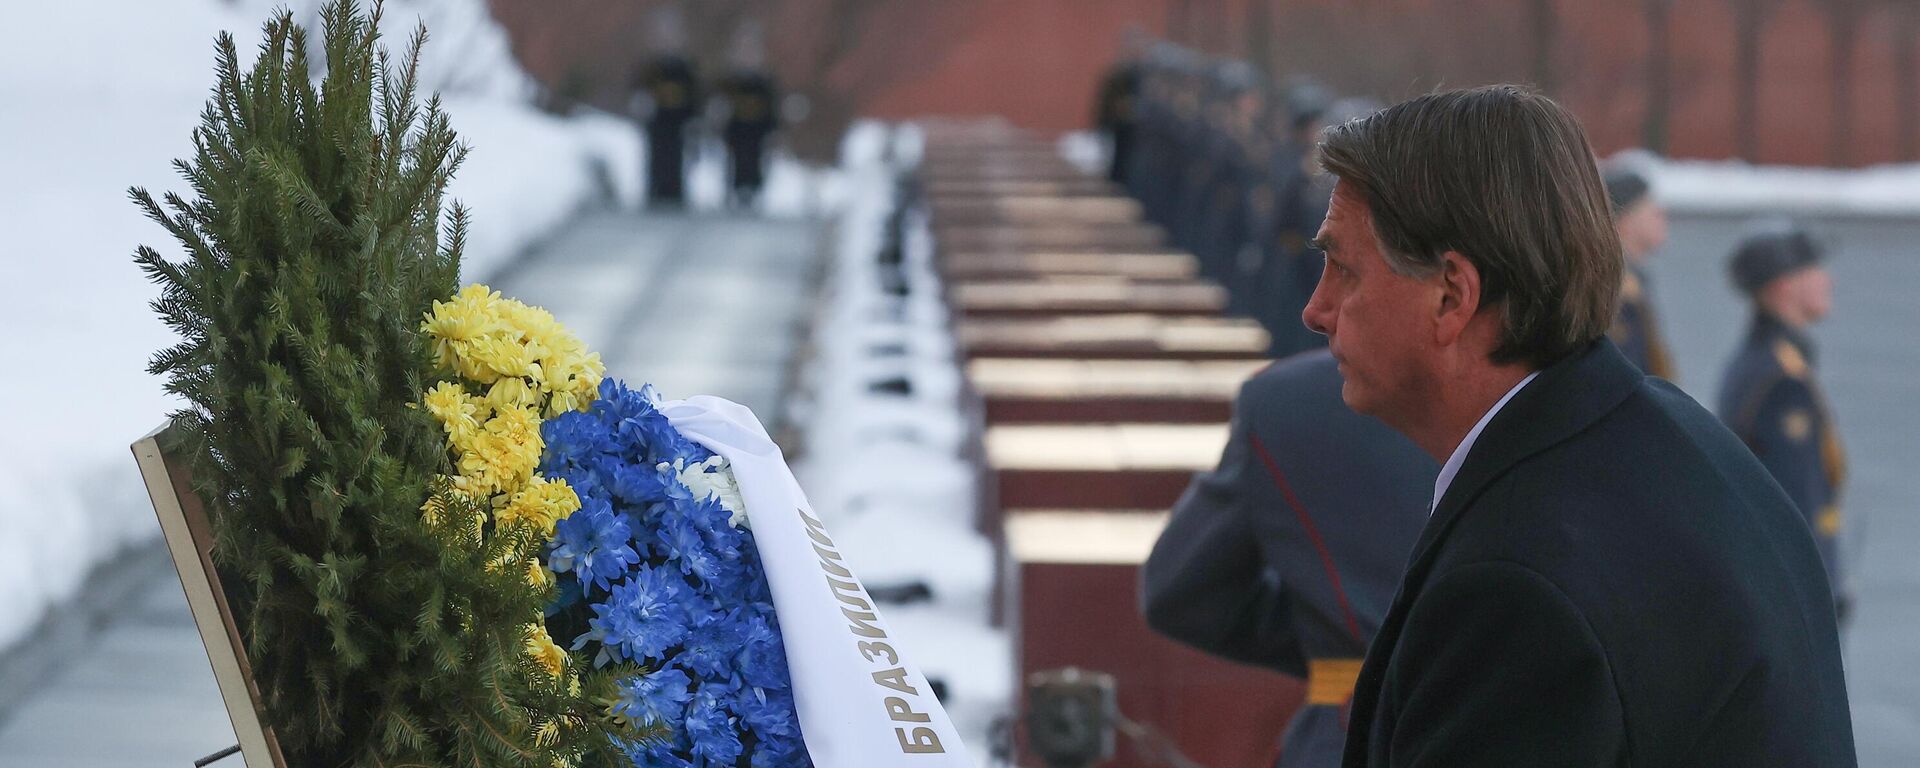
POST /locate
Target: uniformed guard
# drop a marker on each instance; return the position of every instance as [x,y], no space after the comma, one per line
[672,94]
[1189,134]
[753,116]
[1116,110]
[1771,397]
[1151,175]
[1642,227]
[1220,209]
[1287,555]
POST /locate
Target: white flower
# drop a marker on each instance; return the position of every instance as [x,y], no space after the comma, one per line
[714,478]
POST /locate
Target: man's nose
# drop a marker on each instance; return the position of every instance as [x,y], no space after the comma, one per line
[1318,315]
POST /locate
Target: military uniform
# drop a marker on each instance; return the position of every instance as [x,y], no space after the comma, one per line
[752,117]
[1116,113]
[1292,270]
[1636,328]
[1771,399]
[1286,556]
[1222,214]
[669,84]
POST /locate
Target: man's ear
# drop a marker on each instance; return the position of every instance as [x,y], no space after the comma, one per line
[1459,297]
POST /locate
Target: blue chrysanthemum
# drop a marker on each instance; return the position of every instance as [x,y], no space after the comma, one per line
[714,522]
[762,660]
[643,616]
[781,753]
[631,484]
[572,439]
[655,698]
[768,712]
[593,544]
[710,726]
[659,754]
[686,547]
[713,645]
[670,583]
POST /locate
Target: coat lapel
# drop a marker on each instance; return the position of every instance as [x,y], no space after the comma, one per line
[1565,399]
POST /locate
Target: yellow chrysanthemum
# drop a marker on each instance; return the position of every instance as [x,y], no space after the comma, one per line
[459,413]
[503,454]
[434,508]
[486,359]
[573,383]
[512,392]
[538,575]
[541,504]
[520,424]
[561,402]
[487,339]
[455,325]
[542,649]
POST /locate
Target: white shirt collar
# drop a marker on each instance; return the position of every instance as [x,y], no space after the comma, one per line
[1452,467]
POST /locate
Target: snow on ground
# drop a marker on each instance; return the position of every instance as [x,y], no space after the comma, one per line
[99,96]
[527,172]
[885,469]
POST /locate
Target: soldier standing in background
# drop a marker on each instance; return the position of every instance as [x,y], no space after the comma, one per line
[670,98]
[1642,226]
[1151,116]
[1217,213]
[1116,111]
[753,115]
[1155,174]
[1286,556]
[1770,396]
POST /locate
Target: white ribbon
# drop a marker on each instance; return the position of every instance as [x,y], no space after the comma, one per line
[862,703]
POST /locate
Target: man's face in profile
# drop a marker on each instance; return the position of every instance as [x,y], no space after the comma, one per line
[1378,323]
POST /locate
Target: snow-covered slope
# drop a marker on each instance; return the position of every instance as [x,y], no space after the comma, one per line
[100,95]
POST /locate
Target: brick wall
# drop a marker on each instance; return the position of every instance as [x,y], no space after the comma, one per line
[1037,61]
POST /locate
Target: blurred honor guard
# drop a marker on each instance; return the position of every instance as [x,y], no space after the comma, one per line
[1221,212]
[1291,269]
[752,117]
[1642,226]
[1116,111]
[1286,556]
[1770,396]
[671,99]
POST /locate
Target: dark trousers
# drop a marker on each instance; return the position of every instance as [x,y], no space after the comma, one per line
[666,162]
[1122,153]
[747,164]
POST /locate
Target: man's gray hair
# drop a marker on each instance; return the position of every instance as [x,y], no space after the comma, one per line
[1503,176]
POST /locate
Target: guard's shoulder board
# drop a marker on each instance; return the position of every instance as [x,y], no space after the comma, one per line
[1790,359]
[1629,287]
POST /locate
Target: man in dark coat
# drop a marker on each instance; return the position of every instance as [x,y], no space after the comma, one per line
[673,95]
[1642,226]
[1770,397]
[752,117]
[1287,554]
[1609,577]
